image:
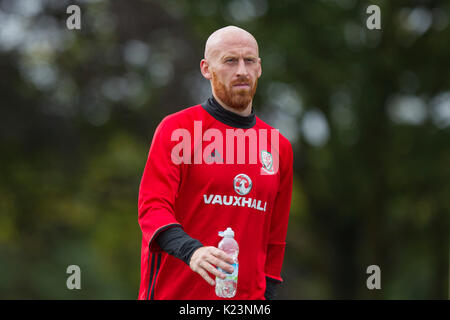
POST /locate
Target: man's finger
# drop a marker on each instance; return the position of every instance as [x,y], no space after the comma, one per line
[222,255]
[205,276]
[208,267]
[220,263]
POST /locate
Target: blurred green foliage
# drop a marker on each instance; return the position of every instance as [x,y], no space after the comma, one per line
[367,112]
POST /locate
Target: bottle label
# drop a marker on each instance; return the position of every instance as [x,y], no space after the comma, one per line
[231,276]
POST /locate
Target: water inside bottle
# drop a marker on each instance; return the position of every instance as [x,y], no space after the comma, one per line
[226,288]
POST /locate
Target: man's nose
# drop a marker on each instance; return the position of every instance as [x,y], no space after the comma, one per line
[242,69]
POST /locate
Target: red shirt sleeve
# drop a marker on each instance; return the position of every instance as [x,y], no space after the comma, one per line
[280,216]
[158,189]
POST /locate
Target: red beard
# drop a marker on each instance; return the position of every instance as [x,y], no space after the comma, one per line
[237,99]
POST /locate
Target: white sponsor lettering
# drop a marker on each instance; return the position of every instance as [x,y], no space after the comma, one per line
[224,200]
[227,203]
[217,199]
[208,201]
[259,206]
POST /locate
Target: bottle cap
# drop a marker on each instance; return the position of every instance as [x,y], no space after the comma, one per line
[229,233]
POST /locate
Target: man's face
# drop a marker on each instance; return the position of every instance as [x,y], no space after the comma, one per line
[235,68]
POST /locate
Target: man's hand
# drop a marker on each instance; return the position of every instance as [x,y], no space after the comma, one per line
[205,259]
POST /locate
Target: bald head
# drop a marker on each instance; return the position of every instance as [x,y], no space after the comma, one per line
[228,37]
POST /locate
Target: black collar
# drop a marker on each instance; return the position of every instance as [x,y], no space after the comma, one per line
[229,118]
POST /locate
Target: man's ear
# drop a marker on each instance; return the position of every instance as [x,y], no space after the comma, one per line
[204,68]
[260,68]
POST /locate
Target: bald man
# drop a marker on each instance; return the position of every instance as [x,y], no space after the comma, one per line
[191,189]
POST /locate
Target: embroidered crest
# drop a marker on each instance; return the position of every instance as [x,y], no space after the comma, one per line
[267,161]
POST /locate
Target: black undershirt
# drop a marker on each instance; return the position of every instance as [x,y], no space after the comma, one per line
[174,240]
[232,119]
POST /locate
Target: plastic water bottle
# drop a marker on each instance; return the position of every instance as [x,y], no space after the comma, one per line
[226,288]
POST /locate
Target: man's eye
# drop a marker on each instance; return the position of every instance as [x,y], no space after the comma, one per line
[250,60]
[230,60]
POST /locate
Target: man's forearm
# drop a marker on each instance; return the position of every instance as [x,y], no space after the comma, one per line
[178,243]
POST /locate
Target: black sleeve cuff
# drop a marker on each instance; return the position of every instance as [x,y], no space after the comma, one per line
[178,243]
[271,286]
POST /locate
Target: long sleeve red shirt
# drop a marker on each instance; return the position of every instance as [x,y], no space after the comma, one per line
[205,198]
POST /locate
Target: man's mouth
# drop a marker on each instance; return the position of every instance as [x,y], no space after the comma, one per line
[241,85]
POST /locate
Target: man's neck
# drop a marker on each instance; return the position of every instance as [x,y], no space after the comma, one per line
[244,113]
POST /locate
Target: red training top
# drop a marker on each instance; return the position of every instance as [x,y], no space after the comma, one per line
[252,198]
